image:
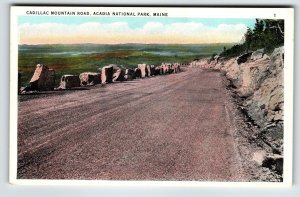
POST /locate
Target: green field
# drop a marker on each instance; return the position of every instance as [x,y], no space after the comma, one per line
[78,58]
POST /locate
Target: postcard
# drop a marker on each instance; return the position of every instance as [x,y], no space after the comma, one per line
[180,96]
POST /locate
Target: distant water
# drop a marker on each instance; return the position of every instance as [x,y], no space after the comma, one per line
[72,53]
[170,53]
[161,53]
[168,50]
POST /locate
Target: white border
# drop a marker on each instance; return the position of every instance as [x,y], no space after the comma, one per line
[281,13]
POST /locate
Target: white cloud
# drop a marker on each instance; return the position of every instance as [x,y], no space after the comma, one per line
[151,28]
[235,29]
[189,30]
[185,28]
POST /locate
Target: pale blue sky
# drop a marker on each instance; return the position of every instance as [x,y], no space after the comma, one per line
[133,22]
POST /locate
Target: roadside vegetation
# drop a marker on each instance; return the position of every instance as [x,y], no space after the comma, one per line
[267,34]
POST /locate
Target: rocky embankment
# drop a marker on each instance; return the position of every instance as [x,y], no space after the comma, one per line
[256,79]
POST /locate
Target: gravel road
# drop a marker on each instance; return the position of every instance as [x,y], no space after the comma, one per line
[174,127]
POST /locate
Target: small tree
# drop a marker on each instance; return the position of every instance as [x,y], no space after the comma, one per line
[248,39]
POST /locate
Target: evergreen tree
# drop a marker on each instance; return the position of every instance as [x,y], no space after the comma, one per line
[248,39]
[267,34]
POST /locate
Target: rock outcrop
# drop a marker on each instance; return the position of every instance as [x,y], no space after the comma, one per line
[205,63]
[266,106]
[252,74]
[257,54]
[89,78]
[43,79]
[148,71]
[69,81]
[129,74]
[274,162]
[152,70]
[107,74]
[258,79]
[243,58]
[164,68]
[157,70]
[143,69]
[176,67]
[118,74]
[138,73]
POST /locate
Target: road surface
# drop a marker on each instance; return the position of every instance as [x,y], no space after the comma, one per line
[174,127]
